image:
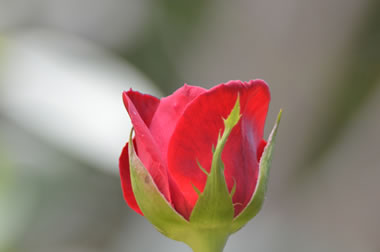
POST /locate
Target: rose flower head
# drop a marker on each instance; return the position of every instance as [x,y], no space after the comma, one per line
[197,166]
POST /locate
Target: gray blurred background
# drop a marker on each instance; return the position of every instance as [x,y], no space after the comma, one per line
[64,64]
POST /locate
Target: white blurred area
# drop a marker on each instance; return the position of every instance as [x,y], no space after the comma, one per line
[67,91]
[113,23]
[60,94]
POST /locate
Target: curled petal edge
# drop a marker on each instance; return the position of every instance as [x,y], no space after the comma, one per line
[258,196]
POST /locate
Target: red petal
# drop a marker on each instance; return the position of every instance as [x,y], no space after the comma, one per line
[168,113]
[179,202]
[197,131]
[260,149]
[145,104]
[149,152]
[126,180]
[162,126]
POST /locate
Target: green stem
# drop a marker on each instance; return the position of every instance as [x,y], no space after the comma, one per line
[208,241]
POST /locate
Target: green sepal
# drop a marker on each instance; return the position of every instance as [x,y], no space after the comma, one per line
[152,202]
[214,211]
[258,196]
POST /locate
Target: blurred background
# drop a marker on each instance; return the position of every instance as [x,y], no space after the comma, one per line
[64,64]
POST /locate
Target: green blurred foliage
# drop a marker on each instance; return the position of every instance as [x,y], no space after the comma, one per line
[170,28]
[6,182]
[356,79]
[5,171]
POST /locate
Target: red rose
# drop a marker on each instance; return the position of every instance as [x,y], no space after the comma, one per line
[175,135]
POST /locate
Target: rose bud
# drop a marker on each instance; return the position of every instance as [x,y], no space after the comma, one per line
[198,166]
